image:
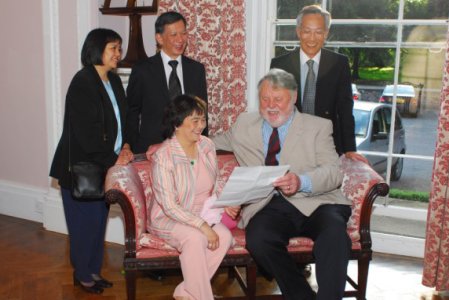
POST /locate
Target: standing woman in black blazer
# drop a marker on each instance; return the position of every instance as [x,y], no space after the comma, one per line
[95,111]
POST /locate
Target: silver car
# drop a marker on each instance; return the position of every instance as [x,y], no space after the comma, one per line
[372,129]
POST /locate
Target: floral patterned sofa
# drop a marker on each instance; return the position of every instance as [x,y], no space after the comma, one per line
[129,186]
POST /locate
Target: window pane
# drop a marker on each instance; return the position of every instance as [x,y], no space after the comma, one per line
[363,33]
[286,33]
[288,9]
[424,33]
[429,9]
[362,9]
[416,176]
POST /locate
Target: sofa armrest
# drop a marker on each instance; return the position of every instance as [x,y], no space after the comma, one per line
[124,186]
[362,185]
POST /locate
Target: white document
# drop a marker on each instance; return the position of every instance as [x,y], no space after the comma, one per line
[249,184]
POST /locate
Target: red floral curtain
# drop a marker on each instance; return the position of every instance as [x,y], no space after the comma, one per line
[436,257]
[217,39]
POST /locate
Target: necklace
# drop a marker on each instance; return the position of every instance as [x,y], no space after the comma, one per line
[192,162]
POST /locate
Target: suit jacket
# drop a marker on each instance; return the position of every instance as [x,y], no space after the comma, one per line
[333,98]
[308,149]
[147,94]
[90,139]
[173,185]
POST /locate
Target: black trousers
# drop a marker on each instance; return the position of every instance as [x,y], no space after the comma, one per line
[268,234]
[86,223]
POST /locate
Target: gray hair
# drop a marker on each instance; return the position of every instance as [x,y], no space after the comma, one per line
[280,79]
[314,9]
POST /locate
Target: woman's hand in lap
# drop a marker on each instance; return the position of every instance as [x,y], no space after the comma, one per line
[213,241]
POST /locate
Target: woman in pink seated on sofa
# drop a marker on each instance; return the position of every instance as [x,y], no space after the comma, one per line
[184,176]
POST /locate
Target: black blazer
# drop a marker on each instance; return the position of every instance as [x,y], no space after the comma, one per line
[147,96]
[89,140]
[333,98]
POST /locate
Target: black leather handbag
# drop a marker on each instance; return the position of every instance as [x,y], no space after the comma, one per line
[88,180]
[87,177]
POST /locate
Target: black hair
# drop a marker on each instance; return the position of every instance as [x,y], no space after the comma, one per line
[94,45]
[168,18]
[180,108]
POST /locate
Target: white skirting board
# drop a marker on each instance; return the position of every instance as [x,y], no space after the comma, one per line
[397,244]
[45,207]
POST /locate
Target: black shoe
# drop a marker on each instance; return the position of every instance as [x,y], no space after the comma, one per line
[94,289]
[103,283]
[157,275]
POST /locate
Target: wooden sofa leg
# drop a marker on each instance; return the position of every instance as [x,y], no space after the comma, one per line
[130,277]
[251,277]
[362,280]
[231,273]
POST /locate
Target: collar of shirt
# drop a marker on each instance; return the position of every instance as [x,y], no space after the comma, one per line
[282,132]
[168,68]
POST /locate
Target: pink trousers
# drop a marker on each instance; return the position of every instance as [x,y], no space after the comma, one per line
[198,264]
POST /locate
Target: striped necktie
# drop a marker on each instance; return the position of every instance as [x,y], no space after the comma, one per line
[274,147]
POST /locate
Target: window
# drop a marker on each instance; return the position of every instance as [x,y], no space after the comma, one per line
[397,44]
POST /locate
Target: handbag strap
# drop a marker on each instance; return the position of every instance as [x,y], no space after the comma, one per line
[70,132]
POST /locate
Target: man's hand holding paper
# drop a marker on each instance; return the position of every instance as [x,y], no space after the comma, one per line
[289,184]
[250,184]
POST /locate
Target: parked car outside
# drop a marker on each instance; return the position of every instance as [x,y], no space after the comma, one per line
[372,130]
[407,102]
[356,95]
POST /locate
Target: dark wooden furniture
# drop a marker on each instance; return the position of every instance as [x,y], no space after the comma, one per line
[129,187]
[136,50]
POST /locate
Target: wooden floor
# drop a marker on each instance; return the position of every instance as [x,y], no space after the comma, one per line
[35,265]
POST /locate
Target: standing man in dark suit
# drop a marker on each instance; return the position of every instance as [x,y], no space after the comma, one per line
[148,90]
[332,77]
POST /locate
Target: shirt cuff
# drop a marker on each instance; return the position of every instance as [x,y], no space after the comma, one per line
[306,184]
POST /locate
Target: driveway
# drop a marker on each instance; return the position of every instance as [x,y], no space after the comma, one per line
[420,138]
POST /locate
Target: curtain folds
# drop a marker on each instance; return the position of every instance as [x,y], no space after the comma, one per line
[217,39]
[436,256]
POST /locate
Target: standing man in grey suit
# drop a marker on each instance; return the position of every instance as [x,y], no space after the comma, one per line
[306,201]
[331,94]
[149,91]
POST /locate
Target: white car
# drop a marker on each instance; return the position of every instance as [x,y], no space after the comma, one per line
[407,102]
[372,130]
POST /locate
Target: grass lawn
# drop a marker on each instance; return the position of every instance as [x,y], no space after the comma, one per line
[410,195]
[377,74]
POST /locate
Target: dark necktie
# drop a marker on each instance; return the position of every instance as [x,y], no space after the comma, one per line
[308,102]
[174,86]
[274,147]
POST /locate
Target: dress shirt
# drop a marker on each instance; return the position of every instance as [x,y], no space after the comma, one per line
[168,68]
[306,183]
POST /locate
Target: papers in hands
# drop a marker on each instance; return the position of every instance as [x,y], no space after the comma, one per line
[249,184]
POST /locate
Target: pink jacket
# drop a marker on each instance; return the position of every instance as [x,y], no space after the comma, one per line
[173,183]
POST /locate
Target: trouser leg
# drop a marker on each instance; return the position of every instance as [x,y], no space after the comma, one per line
[198,263]
[84,221]
[332,246]
[267,237]
[96,261]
